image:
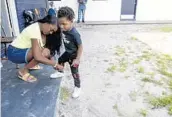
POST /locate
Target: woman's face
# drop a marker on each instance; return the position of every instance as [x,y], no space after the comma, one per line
[49,28]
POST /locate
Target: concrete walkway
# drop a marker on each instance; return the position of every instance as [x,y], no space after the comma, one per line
[158,41]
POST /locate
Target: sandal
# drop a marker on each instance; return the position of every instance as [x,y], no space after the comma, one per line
[27,77]
[36,67]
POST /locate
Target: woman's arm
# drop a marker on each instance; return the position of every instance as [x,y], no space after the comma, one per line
[37,54]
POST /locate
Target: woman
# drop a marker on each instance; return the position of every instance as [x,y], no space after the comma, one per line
[29,47]
[53,42]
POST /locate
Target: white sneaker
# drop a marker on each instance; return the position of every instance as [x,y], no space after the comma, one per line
[76,92]
[57,75]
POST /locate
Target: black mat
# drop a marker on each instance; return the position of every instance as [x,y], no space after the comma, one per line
[22,99]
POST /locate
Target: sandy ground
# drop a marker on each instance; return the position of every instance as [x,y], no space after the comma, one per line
[158,41]
[121,93]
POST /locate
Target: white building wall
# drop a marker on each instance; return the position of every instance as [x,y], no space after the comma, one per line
[148,10]
[108,10]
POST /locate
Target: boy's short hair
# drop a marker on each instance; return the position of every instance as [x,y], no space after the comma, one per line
[66,12]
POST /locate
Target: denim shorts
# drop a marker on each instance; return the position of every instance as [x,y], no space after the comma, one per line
[17,55]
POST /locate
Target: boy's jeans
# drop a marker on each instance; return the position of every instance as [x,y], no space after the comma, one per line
[66,57]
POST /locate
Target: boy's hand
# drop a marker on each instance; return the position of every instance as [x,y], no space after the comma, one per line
[75,63]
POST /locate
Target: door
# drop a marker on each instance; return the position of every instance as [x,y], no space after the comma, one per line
[128,9]
[22,5]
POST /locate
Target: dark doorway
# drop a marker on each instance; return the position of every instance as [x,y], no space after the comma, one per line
[128,10]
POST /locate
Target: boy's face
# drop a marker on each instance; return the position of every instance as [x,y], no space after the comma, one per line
[65,24]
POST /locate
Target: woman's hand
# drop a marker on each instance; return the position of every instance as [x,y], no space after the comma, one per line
[59,67]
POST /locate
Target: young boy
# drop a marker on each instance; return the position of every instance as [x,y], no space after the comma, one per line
[73,45]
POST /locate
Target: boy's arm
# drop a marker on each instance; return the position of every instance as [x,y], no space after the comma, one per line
[80,47]
[76,61]
[79,52]
[78,40]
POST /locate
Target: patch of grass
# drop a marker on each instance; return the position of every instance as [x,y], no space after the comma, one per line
[64,93]
[170,109]
[151,81]
[123,66]
[151,74]
[161,101]
[164,101]
[137,61]
[170,84]
[165,73]
[147,55]
[140,69]
[133,95]
[164,61]
[115,107]
[111,69]
[162,67]
[167,57]
[120,51]
[134,38]
[143,112]
[166,29]
[164,93]
[146,79]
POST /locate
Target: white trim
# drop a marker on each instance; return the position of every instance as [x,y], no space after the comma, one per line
[127,16]
[6,26]
[13,16]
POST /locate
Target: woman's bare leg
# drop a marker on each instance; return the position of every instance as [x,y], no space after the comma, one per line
[33,62]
